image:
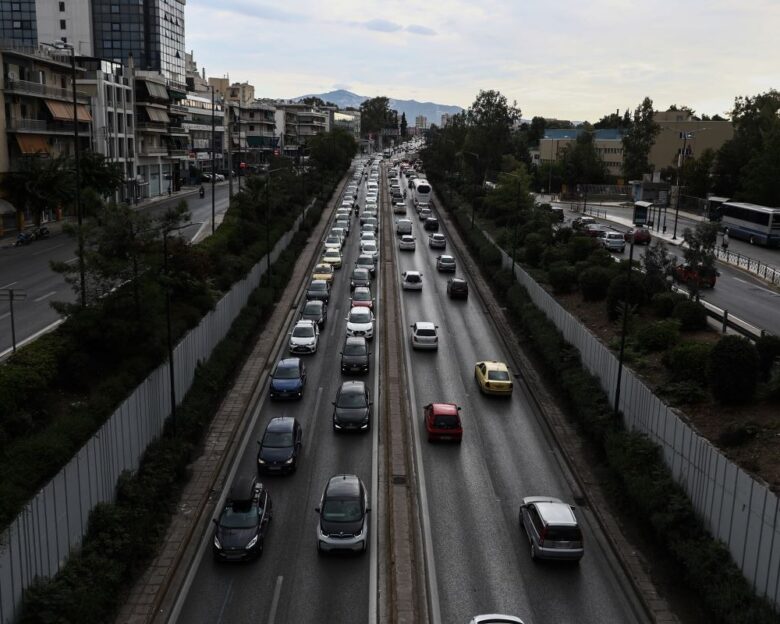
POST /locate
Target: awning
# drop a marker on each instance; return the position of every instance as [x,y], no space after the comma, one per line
[32,144]
[155,114]
[6,207]
[63,111]
[156,90]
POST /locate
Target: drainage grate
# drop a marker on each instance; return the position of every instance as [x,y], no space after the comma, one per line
[399,479]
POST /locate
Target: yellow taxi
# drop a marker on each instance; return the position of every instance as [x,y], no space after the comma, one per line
[493,377]
[323,271]
[332,257]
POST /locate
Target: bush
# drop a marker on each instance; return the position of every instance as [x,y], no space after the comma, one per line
[691,314]
[684,392]
[561,277]
[732,369]
[552,255]
[619,292]
[768,348]
[594,283]
[688,361]
[663,303]
[580,248]
[657,336]
[533,247]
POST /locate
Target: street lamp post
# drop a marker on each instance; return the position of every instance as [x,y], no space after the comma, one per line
[625,324]
[685,136]
[213,172]
[238,173]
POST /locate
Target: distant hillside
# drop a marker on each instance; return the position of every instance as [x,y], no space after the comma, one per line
[411,108]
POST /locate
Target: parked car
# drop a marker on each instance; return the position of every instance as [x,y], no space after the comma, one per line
[342,522]
[580,222]
[288,379]
[442,422]
[445,264]
[457,288]
[352,407]
[687,274]
[641,236]
[613,241]
[240,529]
[552,528]
[355,356]
[280,446]
[304,337]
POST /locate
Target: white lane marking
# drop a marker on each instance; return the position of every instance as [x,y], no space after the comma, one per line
[6,315]
[275,601]
[46,296]
[47,250]
[225,601]
[756,286]
[334,316]
[71,261]
[200,229]
[8,285]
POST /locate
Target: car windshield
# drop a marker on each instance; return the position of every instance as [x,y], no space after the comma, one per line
[278,439]
[286,372]
[339,510]
[304,331]
[365,260]
[323,268]
[498,376]
[333,239]
[351,398]
[355,349]
[369,247]
[413,278]
[239,516]
[563,534]
[318,286]
[360,316]
[445,422]
[362,296]
[360,274]
[426,332]
[313,307]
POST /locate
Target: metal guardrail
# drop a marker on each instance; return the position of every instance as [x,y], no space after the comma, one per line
[756,267]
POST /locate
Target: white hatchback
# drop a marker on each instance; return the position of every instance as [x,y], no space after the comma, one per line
[360,322]
[411,280]
[424,335]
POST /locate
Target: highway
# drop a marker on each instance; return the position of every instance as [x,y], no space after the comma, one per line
[291,582]
[27,269]
[482,562]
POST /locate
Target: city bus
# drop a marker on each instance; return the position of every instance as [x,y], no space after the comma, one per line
[756,224]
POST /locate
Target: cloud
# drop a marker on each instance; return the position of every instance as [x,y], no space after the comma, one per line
[382,25]
[257,10]
[420,30]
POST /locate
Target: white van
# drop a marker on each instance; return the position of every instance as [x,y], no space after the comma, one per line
[403,226]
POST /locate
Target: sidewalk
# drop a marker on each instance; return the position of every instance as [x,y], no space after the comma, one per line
[155,593]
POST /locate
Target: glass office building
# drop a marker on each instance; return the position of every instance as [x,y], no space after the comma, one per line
[18,23]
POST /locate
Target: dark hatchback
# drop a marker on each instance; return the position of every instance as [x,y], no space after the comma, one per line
[240,530]
[318,289]
[280,446]
[355,356]
[457,288]
[315,310]
[288,379]
[342,515]
[352,407]
[431,224]
[361,276]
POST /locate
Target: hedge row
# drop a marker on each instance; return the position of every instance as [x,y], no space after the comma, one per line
[636,464]
[122,537]
[57,391]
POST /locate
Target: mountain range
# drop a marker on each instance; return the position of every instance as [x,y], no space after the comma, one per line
[411,108]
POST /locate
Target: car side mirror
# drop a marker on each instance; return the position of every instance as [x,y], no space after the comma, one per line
[259,443]
[317,509]
[333,402]
[368,509]
[215,521]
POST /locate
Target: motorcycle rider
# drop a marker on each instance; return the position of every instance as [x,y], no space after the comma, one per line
[201,191]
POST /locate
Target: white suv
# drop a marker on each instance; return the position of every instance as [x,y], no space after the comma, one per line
[304,338]
[424,335]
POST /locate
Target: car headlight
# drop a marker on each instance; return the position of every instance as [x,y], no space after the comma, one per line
[290,461]
[252,542]
[217,544]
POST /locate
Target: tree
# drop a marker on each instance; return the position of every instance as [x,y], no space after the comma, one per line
[374,114]
[97,173]
[657,263]
[760,176]
[511,198]
[613,120]
[699,251]
[404,125]
[697,173]
[331,151]
[638,140]
[490,120]
[40,184]
[536,130]
[313,100]
[581,162]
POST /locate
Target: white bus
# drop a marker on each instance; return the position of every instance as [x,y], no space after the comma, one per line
[751,222]
[421,192]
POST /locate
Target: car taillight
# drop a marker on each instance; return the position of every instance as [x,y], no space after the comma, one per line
[542,535]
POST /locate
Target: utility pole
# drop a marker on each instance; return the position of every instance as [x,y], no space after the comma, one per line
[213,170]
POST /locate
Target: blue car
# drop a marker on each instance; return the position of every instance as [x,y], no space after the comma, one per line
[288,379]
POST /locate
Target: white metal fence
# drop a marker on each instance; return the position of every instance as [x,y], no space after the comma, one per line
[736,508]
[54,521]
[758,268]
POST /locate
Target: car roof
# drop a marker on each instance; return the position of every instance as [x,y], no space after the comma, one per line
[444,408]
[343,486]
[318,282]
[446,257]
[360,270]
[243,489]
[494,365]
[363,289]
[553,510]
[323,266]
[407,237]
[353,387]
[361,309]
[457,280]
[305,322]
[289,363]
[411,273]
[281,423]
[315,303]
[424,325]
[352,340]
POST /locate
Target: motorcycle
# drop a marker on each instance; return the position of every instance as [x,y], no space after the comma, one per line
[40,232]
[24,238]
[202,192]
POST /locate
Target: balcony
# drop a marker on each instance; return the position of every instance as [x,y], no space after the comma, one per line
[40,126]
[150,126]
[152,150]
[178,153]
[177,130]
[34,88]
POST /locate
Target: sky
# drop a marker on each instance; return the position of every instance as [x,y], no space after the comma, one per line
[568,59]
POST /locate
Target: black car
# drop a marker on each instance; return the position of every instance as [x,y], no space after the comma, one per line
[457,288]
[240,530]
[318,289]
[280,446]
[361,276]
[342,516]
[355,356]
[315,310]
[352,407]
[431,224]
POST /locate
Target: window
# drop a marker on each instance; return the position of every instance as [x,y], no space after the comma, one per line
[16,6]
[116,27]
[62,7]
[115,8]
[62,25]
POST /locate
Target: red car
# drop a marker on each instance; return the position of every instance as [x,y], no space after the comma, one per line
[594,230]
[442,422]
[688,274]
[641,236]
